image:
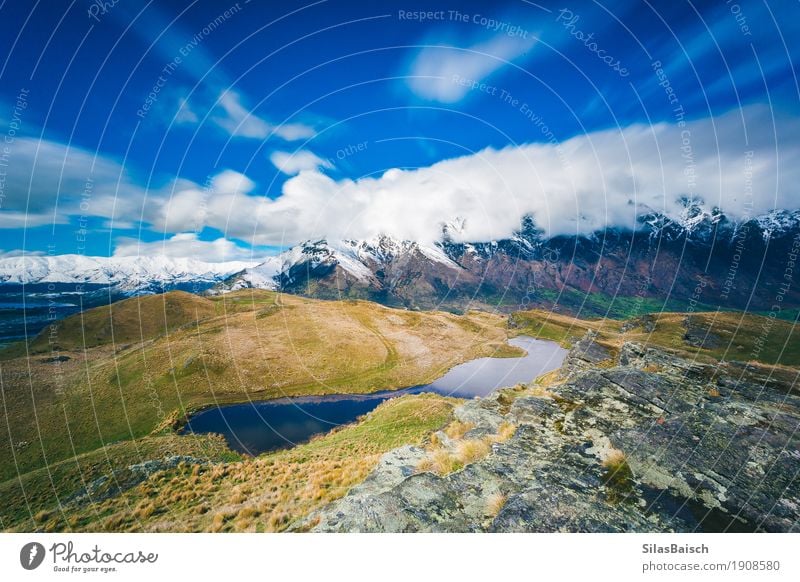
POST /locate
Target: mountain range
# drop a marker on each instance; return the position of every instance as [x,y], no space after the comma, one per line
[700,258]
[128,275]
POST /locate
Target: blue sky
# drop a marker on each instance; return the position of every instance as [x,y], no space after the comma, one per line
[229,130]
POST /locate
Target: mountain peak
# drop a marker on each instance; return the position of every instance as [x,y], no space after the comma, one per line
[414,273]
[778,221]
[127,273]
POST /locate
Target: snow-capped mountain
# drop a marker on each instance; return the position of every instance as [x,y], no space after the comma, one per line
[778,222]
[740,264]
[129,274]
[663,257]
[359,262]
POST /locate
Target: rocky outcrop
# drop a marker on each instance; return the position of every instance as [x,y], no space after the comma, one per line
[652,442]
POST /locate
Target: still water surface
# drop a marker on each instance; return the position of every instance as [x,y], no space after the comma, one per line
[258,427]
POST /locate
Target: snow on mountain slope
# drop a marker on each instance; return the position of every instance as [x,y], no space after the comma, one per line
[310,254]
[437,255]
[778,221]
[367,261]
[126,272]
[359,259]
[384,249]
[261,276]
[378,264]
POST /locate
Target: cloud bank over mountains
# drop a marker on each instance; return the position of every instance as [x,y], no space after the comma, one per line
[590,182]
[744,162]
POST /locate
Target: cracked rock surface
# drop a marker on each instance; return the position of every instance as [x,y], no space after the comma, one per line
[640,440]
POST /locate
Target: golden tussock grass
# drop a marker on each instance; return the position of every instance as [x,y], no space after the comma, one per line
[113,523]
[441,462]
[617,477]
[238,497]
[614,459]
[472,450]
[248,513]
[540,392]
[494,503]
[42,516]
[457,429]
[505,431]
[218,522]
[144,510]
[270,492]
[444,460]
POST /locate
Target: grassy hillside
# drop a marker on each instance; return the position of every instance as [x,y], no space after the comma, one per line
[122,323]
[599,305]
[89,411]
[595,305]
[267,493]
[37,499]
[721,335]
[199,351]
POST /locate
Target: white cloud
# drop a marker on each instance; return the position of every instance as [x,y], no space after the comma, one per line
[295,162]
[185,113]
[14,219]
[235,119]
[439,73]
[119,224]
[47,182]
[43,175]
[230,181]
[20,253]
[183,245]
[295,131]
[227,204]
[605,178]
[589,182]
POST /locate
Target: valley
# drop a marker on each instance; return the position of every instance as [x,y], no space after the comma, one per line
[95,406]
[125,376]
[123,371]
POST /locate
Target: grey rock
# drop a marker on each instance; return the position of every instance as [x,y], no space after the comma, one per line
[699,336]
[706,448]
[481,413]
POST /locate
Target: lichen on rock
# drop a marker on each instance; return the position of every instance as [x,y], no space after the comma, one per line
[653,442]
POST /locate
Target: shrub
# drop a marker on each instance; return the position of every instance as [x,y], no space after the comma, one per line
[440,461]
[472,450]
[457,429]
[505,431]
[494,503]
